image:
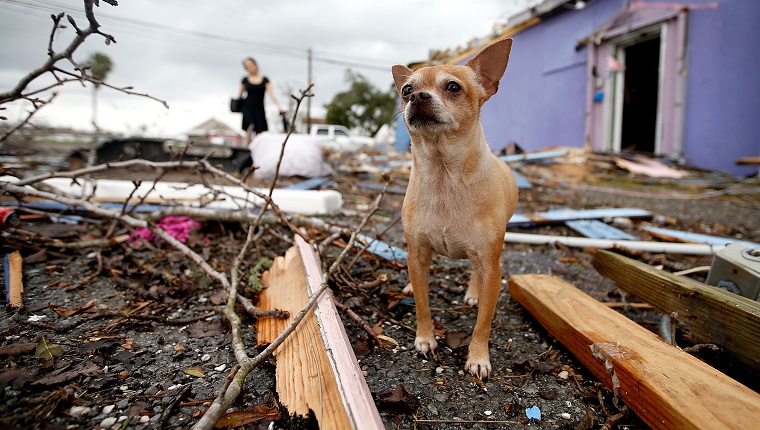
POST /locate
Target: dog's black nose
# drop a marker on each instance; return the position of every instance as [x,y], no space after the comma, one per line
[419,97]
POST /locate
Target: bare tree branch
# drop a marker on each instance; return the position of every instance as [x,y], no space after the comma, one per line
[232,389]
[22,92]
[53,57]
[28,117]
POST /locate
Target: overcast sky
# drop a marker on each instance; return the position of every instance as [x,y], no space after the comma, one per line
[189,52]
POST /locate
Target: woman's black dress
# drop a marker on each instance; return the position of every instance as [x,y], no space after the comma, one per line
[253,106]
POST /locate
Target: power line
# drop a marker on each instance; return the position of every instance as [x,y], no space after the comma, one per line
[207,40]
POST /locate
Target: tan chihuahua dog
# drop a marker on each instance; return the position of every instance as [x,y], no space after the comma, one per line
[460,195]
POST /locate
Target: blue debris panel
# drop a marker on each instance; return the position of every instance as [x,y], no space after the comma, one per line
[382,249]
[595,229]
[522,183]
[562,215]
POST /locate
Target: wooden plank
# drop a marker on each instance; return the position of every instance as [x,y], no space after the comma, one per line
[748,161]
[304,377]
[715,316]
[598,230]
[688,237]
[353,387]
[666,387]
[316,369]
[14,279]
[561,215]
[650,167]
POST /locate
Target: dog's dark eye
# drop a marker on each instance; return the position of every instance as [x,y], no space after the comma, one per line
[453,87]
[406,90]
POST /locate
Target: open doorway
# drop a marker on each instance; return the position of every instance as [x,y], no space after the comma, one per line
[640,93]
[636,83]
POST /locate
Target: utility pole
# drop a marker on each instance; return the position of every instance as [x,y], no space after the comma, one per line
[308,99]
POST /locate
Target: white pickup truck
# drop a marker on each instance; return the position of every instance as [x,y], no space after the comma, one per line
[340,138]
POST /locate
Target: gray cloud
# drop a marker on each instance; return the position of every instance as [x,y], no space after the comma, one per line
[189,52]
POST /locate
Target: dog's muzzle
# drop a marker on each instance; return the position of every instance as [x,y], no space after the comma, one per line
[421,110]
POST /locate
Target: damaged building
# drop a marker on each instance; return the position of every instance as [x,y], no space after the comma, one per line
[670,78]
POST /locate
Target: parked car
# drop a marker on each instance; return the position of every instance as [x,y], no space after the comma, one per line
[230,158]
[340,138]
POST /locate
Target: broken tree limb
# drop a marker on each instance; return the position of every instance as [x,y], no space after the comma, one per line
[354,391]
[666,387]
[232,389]
[316,366]
[716,316]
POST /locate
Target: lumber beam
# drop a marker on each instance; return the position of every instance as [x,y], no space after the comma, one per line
[666,387]
[715,316]
[316,366]
[748,161]
[14,284]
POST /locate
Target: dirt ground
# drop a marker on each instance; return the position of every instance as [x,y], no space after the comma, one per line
[128,337]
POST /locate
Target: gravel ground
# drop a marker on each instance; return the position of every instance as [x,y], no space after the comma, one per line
[151,352]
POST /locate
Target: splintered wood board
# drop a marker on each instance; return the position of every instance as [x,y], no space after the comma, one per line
[316,366]
[714,315]
[14,284]
[664,386]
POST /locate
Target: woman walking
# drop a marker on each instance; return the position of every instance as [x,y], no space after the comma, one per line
[255,86]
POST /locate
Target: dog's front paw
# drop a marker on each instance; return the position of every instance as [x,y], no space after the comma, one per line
[425,345]
[479,367]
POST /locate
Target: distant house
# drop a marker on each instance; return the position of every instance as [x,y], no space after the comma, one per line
[214,131]
[672,78]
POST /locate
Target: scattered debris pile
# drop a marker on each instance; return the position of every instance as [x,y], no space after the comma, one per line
[119,310]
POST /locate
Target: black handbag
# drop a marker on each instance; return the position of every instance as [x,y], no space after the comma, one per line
[236,105]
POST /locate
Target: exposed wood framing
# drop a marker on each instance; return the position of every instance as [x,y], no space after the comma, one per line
[664,386]
[716,316]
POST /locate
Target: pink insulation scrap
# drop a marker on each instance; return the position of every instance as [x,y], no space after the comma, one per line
[178,227]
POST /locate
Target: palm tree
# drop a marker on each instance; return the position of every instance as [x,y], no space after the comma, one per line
[100,65]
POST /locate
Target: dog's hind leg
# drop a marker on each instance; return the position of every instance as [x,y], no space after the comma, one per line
[472,297]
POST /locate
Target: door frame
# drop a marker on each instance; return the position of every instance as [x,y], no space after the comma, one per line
[603,120]
[616,86]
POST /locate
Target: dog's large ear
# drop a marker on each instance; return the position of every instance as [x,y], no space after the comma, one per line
[490,64]
[400,75]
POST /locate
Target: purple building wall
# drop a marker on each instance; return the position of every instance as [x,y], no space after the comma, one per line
[723,86]
[542,98]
